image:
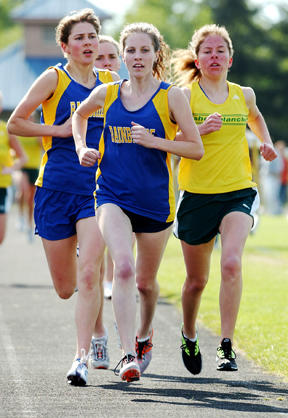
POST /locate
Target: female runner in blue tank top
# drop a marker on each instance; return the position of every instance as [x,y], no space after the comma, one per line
[64,203]
[134,180]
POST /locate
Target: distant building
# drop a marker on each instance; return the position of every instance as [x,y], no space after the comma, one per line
[22,62]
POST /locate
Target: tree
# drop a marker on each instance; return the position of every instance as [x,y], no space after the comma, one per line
[261,51]
[5,10]
[274,96]
[174,19]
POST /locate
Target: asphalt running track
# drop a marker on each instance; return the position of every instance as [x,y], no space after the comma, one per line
[37,342]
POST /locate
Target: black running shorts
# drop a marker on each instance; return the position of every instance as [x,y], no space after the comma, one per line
[199,216]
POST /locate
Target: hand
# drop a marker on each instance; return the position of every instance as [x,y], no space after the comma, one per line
[142,136]
[268,152]
[212,123]
[88,156]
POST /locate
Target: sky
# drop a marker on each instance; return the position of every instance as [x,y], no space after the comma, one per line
[270,9]
[115,6]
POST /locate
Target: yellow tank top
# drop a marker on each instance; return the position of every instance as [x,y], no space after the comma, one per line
[33,151]
[225,166]
[6,159]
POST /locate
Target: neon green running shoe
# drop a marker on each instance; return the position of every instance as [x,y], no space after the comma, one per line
[191,355]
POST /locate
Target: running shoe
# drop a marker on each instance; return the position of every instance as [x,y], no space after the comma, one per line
[191,355]
[144,352]
[129,368]
[77,375]
[99,357]
[226,356]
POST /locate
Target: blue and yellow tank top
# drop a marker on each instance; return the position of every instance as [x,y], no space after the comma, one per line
[60,169]
[225,166]
[6,159]
[129,175]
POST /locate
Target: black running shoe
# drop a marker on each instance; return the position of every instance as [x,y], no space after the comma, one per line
[226,356]
[191,355]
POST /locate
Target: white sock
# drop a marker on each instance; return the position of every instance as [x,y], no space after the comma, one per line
[141,340]
[190,339]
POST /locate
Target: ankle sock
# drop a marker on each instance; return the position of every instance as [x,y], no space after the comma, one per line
[190,339]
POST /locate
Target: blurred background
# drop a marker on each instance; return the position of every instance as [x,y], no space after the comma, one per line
[259,31]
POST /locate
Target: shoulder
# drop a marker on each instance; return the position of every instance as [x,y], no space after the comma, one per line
[248,92]
[249,95]
[49,77]
[175,92]
[187,92]
[115,76]
[51,73]
[103,75]
[100,92]
[178,95]
[106,76]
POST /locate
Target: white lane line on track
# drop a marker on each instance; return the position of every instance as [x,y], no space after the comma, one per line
[23,398]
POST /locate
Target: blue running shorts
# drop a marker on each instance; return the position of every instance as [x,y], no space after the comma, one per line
[56,213]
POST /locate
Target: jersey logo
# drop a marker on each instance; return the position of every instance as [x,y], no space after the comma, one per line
[98,114]
[122,134]
[236,97]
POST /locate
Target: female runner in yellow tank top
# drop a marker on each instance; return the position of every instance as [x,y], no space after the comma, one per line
[12,158]
[217,193]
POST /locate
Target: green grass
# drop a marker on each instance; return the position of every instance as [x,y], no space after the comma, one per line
[262,326]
